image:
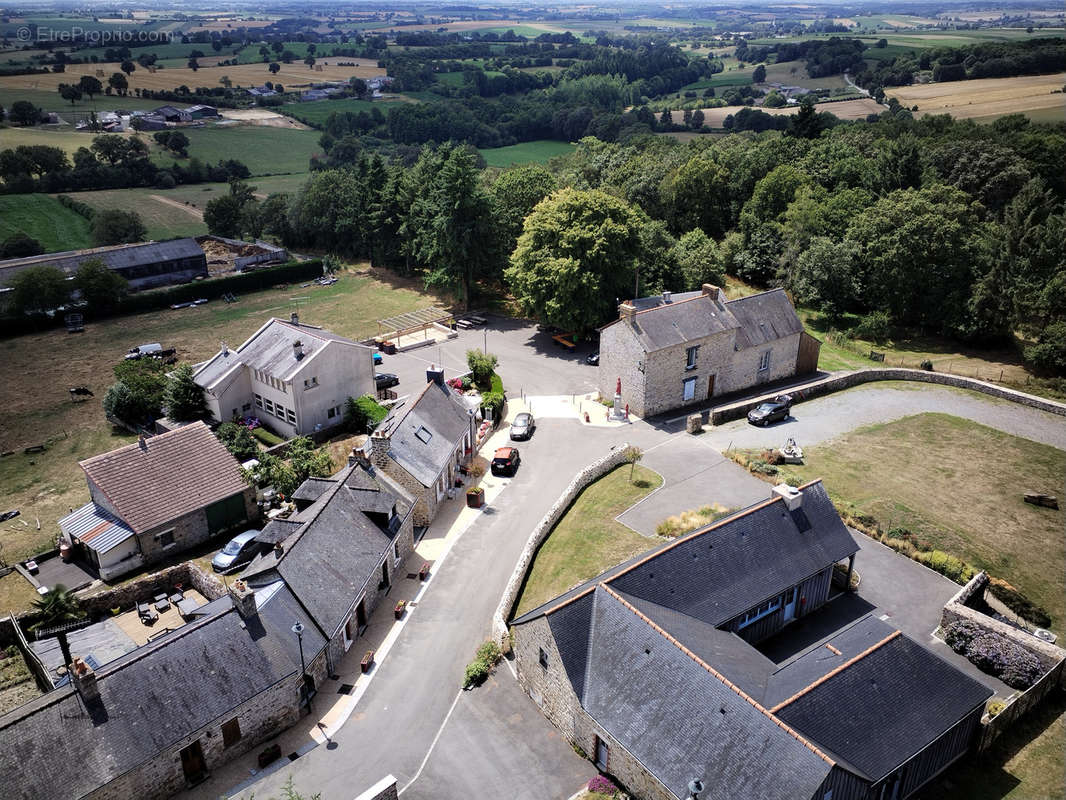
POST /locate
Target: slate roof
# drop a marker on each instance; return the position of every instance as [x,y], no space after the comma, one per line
[312,489]
[151,699]
[423,431]
[737,563]
[680,720]
[270,350]
[329,561]
[904,692]
[161,478]
[116,257]
[691,316]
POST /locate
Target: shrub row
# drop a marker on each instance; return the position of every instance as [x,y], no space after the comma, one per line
[994,654]
[477,671]
[78,207]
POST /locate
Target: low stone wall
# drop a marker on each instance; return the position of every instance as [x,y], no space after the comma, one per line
[385,789]
[126,595]
[596,469]
[839,382]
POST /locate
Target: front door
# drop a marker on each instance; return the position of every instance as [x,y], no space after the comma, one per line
[192,763]
[360,617]
[385,573]
[790,604]
[710,387]
[601,754]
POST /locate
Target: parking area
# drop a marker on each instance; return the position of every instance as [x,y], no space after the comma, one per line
[529,361]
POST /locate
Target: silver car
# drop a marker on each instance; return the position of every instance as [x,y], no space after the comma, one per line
[241,549]
[523,426]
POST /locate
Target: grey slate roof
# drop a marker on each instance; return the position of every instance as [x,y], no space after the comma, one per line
[333,556]
[734,565]
[117,257]
[312,489]
[680,720]
[270,349]
[691,316]
[436,410]
[151,699]
[904,692]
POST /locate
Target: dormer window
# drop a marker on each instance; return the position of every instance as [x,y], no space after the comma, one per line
[423,434]
[311,383]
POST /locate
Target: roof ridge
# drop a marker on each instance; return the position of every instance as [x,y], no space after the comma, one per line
[757,294]
[671,304]
[729,684]
[833,672]
[192,426]
[408,407]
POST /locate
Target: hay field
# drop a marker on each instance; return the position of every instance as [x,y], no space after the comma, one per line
[171,78]
[986,97]
[846,109]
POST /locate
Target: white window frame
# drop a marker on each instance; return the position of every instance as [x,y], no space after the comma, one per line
[764,609]
[691,354]
[688,389]
[259,401]
[764,361]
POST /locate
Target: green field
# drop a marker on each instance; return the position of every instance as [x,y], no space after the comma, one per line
[318,111]
[450,78]
[266,150]
[44,218]
[736,77]
[162,220]
[51,101]
[540,152]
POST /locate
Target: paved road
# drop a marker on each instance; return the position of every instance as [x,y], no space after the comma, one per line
[399,716]
[815,421]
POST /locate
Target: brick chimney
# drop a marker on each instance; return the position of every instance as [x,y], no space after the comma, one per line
[435,375]
[627,310]
[294,318]
[298,349]
[379,448]
[714,292]
[243,597]
[84,679]
[357,456]
[792,496]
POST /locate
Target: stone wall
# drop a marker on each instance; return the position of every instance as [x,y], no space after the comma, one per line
[126,595]
[189,530]
[590,473]
[836,383]
[260,718]
[385,789]
[425,498]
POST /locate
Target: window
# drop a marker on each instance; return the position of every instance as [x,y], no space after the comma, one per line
[828,795]
[246,407]
[688,387]
[759,612]
[543,658]
[231,732]
[396,551]
[764,361]
[290,415]
[166,538]
[423,434]
[268,404]
[310,383]
[331,413]
[690,356]
[258,401]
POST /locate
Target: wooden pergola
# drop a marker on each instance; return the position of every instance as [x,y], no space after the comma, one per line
[413,321]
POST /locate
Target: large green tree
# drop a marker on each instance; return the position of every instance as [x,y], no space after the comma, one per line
[517,192]
[102,288]
[56,608]
[183,399]
[36,290]
[825,275]
[136,397]
[697,195]
[115,226]
[576,256]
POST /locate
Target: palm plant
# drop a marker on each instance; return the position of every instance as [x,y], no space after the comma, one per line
[58,607]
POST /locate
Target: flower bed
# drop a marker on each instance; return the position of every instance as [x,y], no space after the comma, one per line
[994,654]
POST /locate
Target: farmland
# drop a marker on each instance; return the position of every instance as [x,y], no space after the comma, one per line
[845,109]
[162,220]
[44,218]
[988,97]
[266,150]
[51,101]
[528,152]
[318,111]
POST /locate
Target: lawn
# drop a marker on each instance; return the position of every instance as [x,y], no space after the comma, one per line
[588,540]
[539,151]
[959,486]
[162,219]
[44,218]
[47,485]
[265,150]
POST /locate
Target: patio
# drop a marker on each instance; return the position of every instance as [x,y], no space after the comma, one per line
[55,571]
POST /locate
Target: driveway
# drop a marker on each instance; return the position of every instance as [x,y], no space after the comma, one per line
[530,362]
[824,418]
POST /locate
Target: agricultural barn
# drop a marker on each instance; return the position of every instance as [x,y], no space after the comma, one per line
[145,265]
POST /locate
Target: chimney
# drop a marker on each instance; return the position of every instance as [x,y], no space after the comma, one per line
[294,318]
[225,349]
[84,679]
[435,375]
[143,443]
[713,292]
[666,297]
[792,496]
[298,349]
[243,597]
[279,550]
[627,310]
[357,456]
[379,448]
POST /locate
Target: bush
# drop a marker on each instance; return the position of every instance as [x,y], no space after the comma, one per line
[1019,603]
[958,635]
[362,414]
[875,327]
[493,401]
[601,785]
[927,365]
[238,440]
[997,655]
[946,564]
[489,653]
[477,672]
[482,366]
[266,437]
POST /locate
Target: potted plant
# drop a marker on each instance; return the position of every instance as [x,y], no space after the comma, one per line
[400,608]
[368,659]
[475,497]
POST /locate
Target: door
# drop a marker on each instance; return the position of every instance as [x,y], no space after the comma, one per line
[602,754]
[192,763]
[688,389]
[790,604]
[360,617]
[349,634]
[710,387]
[385,573]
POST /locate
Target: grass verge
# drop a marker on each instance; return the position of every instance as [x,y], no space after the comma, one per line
[588,540]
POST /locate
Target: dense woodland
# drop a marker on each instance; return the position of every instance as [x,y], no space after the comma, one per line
[930,226]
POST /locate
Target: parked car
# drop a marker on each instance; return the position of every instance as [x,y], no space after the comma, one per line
[505,461]
[377,358]
[593,359]
[386,380]
[771,411]
[523,426]
[239,550]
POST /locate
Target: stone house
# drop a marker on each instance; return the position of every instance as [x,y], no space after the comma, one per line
[422,443]
[338,556]
[161,717]
[155,498]
[676,350]
[293,376]
[653,669]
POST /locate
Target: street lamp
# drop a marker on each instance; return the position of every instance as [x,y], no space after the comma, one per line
[695,786]
[298,629]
